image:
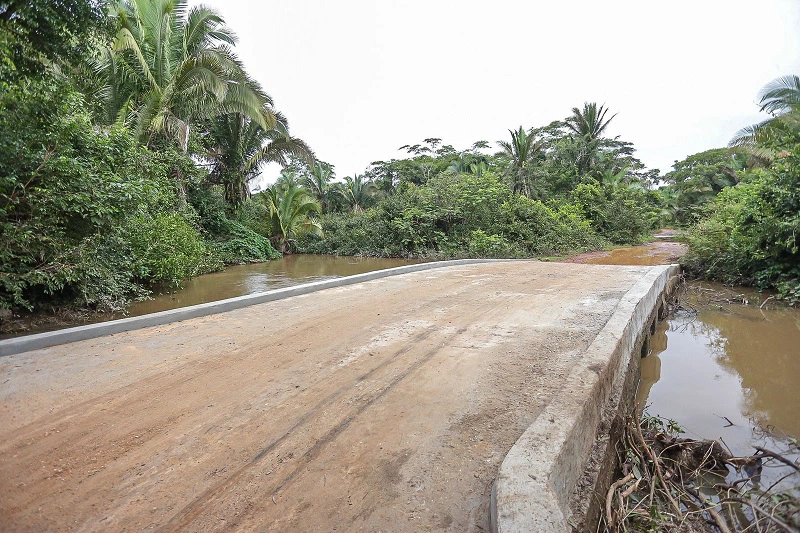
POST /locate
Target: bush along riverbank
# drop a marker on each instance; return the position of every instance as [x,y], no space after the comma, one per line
[480,216]
[749,233]
[122,172]
[741,205]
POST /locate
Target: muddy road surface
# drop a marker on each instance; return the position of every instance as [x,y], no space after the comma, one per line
[382,406]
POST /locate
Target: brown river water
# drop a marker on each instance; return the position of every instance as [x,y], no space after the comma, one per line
[722,365]
[236,280]
[239,280]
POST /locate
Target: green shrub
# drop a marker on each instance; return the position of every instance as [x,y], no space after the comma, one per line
[166,249]
[750,232]
[68,189]
[620,213]
[254,215]
[541,230]
[456,216]
[482,245]
[240,244]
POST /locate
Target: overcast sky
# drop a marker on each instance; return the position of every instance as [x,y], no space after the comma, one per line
[357,79]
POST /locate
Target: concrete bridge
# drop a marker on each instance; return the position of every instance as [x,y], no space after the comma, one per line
[468,396]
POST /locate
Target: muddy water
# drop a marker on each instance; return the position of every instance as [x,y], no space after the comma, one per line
[654,253]
[722,365]
[726,369]
[239,280]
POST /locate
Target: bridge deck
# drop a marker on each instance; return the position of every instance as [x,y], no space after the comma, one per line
[386,405]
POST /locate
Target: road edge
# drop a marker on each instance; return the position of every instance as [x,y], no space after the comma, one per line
[38,341]
[540,472]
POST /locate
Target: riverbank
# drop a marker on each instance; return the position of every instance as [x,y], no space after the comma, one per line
[723,368]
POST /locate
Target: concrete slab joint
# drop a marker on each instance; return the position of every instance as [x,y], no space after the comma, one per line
[540,472]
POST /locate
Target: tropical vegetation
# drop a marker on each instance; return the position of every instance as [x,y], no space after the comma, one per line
[741,204]
[132,138]
[128,136]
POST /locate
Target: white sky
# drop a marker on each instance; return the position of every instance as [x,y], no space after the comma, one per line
[359,78]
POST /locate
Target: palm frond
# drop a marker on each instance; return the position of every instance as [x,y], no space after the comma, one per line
[780,95]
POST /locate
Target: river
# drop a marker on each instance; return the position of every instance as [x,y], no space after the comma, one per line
[724,365]
[239,280]
[235,280]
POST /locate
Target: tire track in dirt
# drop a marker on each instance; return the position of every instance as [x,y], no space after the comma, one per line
[122,408]
[206,500]
[188,513]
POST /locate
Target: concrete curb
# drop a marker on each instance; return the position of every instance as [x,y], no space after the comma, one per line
[53,338]
[541,470]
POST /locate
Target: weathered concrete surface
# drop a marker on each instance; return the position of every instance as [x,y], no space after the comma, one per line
[384,405]
[541,472]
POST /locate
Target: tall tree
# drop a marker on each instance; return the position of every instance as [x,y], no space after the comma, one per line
[35,33]
[587,126]
[589,122]
[237,147]
[699,178]
[521,151]
[357,192]
[170,66]
[318,183]
[781,99]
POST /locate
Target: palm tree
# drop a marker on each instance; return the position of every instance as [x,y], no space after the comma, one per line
[589,123]
[357,192]
[469,163]
[522,151]
[317,182]
[781,99]
[670,205]
[169,66]
[587,126]
[290,210]
[237,147]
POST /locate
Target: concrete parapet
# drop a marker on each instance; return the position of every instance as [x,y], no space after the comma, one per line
[542,471]
[63,336]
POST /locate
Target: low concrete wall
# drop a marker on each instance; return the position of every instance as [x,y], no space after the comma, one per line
[63,336]
[542,470]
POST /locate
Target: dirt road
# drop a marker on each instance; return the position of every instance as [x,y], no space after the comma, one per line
[661,252]
[382,406]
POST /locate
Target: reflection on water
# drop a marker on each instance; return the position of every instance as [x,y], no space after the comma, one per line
[240,280]
[722,369]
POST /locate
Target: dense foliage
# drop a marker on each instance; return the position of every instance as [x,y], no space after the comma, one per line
[548,191]
[130,134]
[750,232]
[455,215]
[695,181]
[101,195]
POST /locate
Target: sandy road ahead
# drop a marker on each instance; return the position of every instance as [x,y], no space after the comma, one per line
[387,405]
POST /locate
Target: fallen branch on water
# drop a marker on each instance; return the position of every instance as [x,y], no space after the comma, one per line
[667,484]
